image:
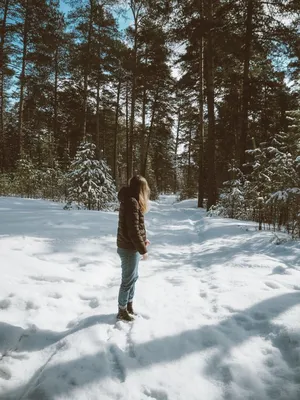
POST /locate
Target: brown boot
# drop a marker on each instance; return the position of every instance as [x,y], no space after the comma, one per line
[123,315]
[130,309]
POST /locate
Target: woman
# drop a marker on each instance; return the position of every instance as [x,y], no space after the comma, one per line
[131,240]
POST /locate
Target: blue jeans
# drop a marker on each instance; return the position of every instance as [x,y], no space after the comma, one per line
[129,263]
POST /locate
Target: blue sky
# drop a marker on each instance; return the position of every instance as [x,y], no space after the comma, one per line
[123,23]
[64,7]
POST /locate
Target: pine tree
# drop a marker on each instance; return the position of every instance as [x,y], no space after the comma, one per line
[90,184]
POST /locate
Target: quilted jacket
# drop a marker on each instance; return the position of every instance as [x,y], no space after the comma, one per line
[131,228]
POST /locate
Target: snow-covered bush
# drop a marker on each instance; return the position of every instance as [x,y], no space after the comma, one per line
[7,187]
[285,207]
[270,193]
[26,178]
[89,183]
[232,198]
[52,183]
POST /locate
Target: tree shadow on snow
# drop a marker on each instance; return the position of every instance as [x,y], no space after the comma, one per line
[223,337]
[16,339]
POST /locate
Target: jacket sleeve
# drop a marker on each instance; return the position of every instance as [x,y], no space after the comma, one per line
[132,222]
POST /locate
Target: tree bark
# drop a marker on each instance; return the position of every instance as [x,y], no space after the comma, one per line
[143,133]
[127,133]
[23,76]
[87,71]
[132,111]
[150,133]
[135,8]
[98,147]
[176,148]
[2,101]
[144,110]
[55,137]
[201,117]
[211,174]
[246,84]
[117,128]
[189,163]
[98,144]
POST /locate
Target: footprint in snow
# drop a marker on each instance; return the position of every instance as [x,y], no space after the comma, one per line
[156,394]
[241,319]
[73,382]
[5,373]
[272,285]
[5,304]
[17,248]
[30,305]
[81,263]
[51,279]
[213,287]
[269,362]
[55,295]
[93,301]
[259,316]
[117,366]
[279,270]
[215,306]
[174,281]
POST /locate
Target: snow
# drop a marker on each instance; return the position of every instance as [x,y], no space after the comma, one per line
[219,306]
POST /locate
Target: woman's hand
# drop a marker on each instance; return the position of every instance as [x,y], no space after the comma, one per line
[145,256]
[147,242]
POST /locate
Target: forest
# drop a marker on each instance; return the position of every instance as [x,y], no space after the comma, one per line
[200,96]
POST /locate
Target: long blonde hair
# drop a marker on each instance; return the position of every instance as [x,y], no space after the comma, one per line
[141,191]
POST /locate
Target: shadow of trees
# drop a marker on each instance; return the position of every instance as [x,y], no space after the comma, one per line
[223,337]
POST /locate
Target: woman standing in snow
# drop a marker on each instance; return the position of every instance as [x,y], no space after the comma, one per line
[131,241]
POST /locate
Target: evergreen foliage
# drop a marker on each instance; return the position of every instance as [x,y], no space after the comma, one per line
[178,96]
[90,184]
[270,194]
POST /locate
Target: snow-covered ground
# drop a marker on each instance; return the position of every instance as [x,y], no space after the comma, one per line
[219,306]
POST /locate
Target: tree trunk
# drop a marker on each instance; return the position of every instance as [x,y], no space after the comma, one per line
[98,145]
[176,148]
[150,133]
[87,71]
[2,101]
[132,111]
[211,174]
[103,151]
[189,163]
[23,76]
[144,108]
[246,84]
[143,133]
[135,8]
[201,117]
[116,128]
[55,138]
[127,134]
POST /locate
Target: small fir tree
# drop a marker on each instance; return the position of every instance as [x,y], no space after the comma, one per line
[232,202]
[90,184]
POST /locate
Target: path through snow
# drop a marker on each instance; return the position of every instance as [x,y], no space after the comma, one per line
[219,305]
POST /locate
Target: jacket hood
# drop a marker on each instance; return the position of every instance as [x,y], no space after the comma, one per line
[124,194]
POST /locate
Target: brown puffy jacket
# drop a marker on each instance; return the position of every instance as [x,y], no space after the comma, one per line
[131,229]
